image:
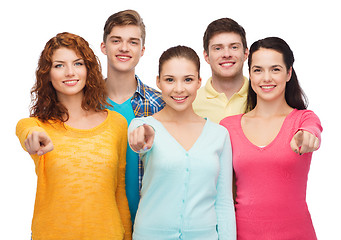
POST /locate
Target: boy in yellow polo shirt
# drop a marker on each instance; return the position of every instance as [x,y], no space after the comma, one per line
[225,93]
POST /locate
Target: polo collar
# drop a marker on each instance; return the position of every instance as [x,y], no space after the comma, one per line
[212,93]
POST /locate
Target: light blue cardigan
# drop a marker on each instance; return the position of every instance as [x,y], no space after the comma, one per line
[186,194]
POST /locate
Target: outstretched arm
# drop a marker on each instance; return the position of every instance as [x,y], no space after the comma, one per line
[308,136]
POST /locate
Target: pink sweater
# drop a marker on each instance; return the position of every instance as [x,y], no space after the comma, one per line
[271,181]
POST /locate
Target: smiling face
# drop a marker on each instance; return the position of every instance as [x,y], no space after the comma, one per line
[123,48]
[68,73]
[179,81]
[269,75]
[226,55]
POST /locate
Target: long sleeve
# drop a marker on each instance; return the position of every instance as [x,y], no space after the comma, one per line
[311,123]
[81,183]
[24,128]
[121,198]
[224,202]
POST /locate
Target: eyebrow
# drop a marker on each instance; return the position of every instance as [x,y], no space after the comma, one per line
[169,75]
[60,61]
[119,37]
[273,66]
[221,44]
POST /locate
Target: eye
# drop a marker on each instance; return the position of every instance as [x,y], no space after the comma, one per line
[169,80]
[256,70]
[79,63]
[276,69]
[235,47]
[188,80]
[58,65]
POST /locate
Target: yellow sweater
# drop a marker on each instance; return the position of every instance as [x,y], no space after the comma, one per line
[81,183]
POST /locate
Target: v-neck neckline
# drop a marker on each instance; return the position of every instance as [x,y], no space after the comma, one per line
[176,142]
[273,140]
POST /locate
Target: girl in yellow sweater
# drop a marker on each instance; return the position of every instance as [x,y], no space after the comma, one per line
[77,146]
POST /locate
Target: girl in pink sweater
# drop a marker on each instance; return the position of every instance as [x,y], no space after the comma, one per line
[272,146]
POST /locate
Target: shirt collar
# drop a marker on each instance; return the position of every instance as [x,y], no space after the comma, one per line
[212,93]
[140,87]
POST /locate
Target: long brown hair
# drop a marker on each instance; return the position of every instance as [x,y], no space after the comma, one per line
[45,104]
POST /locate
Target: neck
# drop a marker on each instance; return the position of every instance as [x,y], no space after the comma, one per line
[121,85]
[229,86]
[168,114]
[74,106]
[269,109]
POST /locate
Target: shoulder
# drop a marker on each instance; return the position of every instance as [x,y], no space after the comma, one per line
[144,88]
[306,112]
[116,118]
[304,115]
[29,122]
[217,129]
[153,96]
[231,120]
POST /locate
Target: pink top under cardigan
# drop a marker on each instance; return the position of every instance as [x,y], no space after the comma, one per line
[271,181]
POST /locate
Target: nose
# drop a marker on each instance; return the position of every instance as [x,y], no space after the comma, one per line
[69,71]
[179,87]
[226,52]
[124,46]
[267,76]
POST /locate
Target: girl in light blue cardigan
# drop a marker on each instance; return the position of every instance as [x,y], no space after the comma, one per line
[187,185]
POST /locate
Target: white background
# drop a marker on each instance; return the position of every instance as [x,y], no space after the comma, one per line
[311,28]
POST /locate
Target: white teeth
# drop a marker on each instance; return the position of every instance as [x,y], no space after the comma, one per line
[179,99]
[226,64]
[70,81]
[267,87]
[123,57]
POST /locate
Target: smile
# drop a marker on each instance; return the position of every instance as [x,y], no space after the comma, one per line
[226,64]
[123,58]
[179,99]
[268,87]
[70,82]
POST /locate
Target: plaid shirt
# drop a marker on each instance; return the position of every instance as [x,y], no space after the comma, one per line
[145,102]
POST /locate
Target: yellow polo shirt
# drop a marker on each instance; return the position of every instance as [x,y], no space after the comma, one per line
[215,106]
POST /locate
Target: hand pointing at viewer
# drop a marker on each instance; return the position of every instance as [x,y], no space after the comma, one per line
[38,143]
[304,142]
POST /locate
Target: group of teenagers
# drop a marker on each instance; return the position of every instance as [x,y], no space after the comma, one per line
[117,159]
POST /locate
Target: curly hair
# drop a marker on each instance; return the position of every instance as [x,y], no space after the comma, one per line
[44,101]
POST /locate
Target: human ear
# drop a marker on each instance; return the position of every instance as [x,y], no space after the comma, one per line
[289,74]
[206,57]
[199,83]
[158,82]
[246,54]
[103,48]
[142,50]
